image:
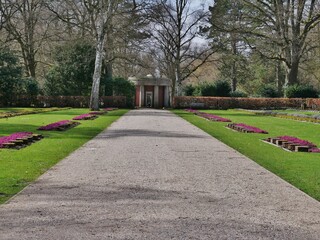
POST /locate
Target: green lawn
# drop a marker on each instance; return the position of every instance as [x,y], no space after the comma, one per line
[300,169]
[20,167]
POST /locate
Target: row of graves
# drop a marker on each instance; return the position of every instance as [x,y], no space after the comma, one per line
[287,143]
[20,140]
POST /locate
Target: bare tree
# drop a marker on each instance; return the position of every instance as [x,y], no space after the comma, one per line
[95,19]
[27,23]
[175,30]
[284,26]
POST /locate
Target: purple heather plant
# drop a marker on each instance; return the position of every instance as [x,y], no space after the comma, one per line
[300,142]
[191,110]
[297,141]
[213,117]
[96,113]
[55,125]
[83,116]
[109,109]
[250,128]
[13,137]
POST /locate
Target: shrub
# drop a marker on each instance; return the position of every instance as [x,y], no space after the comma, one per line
[238,94]
[268,91]
[73,70]
[189,90]
[301,91]
[10,76]
[223,88]
[207,89]
[121,87]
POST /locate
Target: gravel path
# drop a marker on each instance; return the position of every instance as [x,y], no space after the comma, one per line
[152,175]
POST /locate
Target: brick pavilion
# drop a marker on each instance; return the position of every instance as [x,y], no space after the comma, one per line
[151,91]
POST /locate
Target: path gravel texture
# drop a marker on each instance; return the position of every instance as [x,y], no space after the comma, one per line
[152,175]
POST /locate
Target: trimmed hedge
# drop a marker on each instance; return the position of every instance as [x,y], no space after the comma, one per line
[229,103]
[69,101]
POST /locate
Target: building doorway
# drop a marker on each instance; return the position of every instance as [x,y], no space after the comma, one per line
[149,99]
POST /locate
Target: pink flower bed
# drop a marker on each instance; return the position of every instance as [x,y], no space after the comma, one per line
[109,109]
[249,128]
[96,113]
[300,142]
[84,117]
[208,116]
[192,110]
[13,137]
[213,117]
[55,125]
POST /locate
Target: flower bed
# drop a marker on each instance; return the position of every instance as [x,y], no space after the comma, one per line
[212,117]
[87,116]
[26,112]
[241,127]
[208,116]
[19,140]
[97,113]
[293,144]
[191,110]
[109,109]
[59,126]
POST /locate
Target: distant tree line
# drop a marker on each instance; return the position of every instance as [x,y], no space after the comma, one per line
[79,47]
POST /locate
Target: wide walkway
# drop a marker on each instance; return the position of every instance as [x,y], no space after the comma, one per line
[152,175]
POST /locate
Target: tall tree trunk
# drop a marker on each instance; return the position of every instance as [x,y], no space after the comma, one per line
[292,73]
[279,81]
[234,80]
[94,98]
[108,78]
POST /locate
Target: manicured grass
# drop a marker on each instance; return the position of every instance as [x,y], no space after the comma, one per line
[300,169]
[20,167]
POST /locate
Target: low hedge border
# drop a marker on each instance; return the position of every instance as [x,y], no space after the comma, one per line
[224,103]
[26,112]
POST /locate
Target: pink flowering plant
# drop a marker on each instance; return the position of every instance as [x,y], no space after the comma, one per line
[212,117]
[55,125]
[97,113]
[300,142]
[191,110]
[13,137]
[246,128]
[208,116]
[87,116]
[109,109]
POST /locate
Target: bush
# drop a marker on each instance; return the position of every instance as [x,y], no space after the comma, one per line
[121,87]
[223,88]
[73,70]
[219,89]
[300,91]
[238,94]
[10,76]
[189,90]
[207,89]
[268,91]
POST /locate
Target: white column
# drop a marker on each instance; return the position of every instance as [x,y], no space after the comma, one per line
[141,101]
[156,97]
[166,96]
